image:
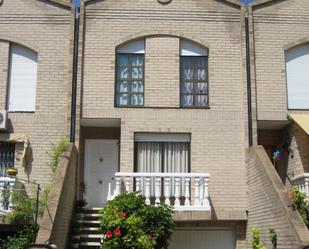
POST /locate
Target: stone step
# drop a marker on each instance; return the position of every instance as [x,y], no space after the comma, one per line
[89,222]
[89,230]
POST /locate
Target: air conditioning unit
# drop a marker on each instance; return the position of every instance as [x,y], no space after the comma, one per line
[3,120]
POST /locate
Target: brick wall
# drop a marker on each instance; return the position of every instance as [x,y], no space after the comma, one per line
[44,27]
[269,207]
[216,148]
[277,26]
[299,147]
[55,224]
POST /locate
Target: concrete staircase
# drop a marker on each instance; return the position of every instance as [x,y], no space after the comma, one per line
[85,229]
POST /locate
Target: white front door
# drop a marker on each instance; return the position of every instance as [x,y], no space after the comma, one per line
[101,164]
[203,239]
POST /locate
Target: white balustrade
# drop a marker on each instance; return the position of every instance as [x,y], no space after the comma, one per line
[302,182]
[6,191]
[184,191]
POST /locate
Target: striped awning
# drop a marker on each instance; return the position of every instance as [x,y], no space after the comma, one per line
[302,120]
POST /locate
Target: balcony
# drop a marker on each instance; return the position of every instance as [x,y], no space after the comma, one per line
[302,182]
[184,191]
[6,189]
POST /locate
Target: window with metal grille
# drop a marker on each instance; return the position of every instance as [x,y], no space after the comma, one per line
[130,74]
[193,75]
[7,154]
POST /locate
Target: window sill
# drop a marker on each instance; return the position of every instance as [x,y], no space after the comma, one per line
[162,107]
[30,112]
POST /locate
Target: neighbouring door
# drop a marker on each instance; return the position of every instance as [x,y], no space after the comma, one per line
[203,239]
[101,164]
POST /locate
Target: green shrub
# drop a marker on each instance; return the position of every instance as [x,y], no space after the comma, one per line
[255,240]
[127,222]
[20,240]
[272,235]
[24,206]
[57,152]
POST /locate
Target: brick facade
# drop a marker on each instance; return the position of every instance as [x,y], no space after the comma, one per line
[217,26]
[45,27]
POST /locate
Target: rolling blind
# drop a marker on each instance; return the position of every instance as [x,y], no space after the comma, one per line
[297,73]
[22,81]
[162,137]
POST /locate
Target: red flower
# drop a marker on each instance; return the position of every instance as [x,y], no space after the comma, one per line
[108,234]
[117,232]
[123,215]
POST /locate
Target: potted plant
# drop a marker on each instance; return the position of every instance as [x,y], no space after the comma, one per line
[11,171]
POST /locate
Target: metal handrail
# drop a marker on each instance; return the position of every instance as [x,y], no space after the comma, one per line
[46,246]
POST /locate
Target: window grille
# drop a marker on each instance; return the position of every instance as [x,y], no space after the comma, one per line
[7,155]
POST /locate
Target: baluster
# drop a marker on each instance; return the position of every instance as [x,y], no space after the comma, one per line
[2,207]
[127,183]
[147,189]
[138,180]
[167,190]
[187,191]
[303,188]
[158,190]
[11,187]
[177,191]
[117,186]
[197,201]
[307,187]
[206,194]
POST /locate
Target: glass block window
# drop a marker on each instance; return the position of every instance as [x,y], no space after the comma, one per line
[194,76]
[7,154]
[130,75]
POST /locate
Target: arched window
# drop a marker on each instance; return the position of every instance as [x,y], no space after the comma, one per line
[22,79]
[130,74]
[297,76]
[193,75]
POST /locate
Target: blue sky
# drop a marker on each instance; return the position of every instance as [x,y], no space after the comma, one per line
[244,1]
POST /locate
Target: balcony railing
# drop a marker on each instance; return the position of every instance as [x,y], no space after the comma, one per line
[184,191]
[6,190]
[302,182]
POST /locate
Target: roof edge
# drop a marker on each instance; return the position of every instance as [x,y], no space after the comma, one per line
[262,3]
[234,3]
[59,2]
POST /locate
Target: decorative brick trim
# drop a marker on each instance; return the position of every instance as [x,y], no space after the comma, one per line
[152,33]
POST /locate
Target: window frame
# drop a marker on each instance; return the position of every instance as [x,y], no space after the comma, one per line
[130,80]
[135,161]
[193,81]
[289,108]
[9,88]
[11,148]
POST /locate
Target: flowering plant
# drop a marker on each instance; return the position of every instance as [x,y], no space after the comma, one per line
[127,222]
[300,203]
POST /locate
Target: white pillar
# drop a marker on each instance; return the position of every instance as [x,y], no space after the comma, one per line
[11,188]
[147,189]
[158,190]
[206,194]
[197,201]
[177,191]
[118,186]
[2,207]
[187,191]
[127,183]
[307,187]
[167,190]
[138,180]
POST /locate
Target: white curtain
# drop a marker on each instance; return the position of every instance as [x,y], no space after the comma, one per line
[167,157]
[149,157]
[176,157]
